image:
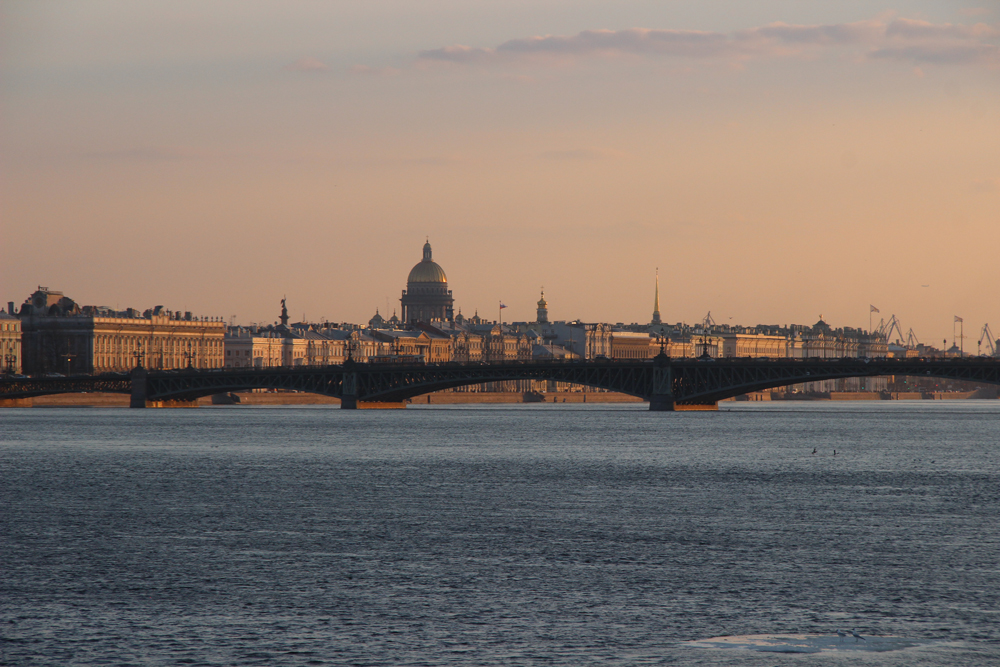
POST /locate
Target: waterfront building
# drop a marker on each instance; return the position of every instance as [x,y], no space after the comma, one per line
[755,345]
[466,345]
[281,345]
[586,340]
[10,342]
[59,336]
[253,347]
[427,296]
[634,345]
[432,347]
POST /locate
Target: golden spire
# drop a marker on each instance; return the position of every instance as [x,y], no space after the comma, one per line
[656,299]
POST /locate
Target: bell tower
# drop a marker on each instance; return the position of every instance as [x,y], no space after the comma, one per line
[542,314]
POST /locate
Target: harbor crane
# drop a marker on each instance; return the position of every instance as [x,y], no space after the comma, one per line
[988,336]
[885,329]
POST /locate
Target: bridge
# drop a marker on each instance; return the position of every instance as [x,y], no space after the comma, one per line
[668,384]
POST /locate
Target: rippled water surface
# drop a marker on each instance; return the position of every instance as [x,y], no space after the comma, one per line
[527,534]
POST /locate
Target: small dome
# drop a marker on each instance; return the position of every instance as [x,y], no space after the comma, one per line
[542,303]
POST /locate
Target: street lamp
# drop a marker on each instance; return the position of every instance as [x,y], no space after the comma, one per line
[69,358]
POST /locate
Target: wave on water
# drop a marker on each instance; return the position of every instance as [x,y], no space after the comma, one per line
[807,643]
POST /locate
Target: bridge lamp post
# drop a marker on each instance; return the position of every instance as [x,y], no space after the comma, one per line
[69,358]
[10,359]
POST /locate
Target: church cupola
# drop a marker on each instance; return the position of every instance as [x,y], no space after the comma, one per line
[542,314]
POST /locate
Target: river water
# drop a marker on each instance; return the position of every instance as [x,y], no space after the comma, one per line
[501,535]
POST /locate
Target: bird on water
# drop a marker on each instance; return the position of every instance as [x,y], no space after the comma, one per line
[841,634]
[854,631]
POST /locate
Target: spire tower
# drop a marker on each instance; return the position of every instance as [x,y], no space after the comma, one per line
[656,300]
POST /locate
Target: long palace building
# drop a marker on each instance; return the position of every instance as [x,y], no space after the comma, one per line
[58,336]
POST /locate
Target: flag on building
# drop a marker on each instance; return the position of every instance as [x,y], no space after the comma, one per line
[501,305]
[959,319]
[874,309]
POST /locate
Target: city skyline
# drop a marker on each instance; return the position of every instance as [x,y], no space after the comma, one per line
[776,161]
[891,327]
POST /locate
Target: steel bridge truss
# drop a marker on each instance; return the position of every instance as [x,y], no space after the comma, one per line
[667,384]
[117,383]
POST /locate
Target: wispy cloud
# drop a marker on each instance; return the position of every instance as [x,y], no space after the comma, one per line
[307,64]
[904,39]
[581,154]
[365,70]
[146,154]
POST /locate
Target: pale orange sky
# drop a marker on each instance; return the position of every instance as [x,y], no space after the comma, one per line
[775,160]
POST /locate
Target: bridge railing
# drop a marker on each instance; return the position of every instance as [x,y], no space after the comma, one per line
[890,361]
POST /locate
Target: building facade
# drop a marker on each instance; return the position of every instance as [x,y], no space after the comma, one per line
[10,342]
[283,345]
[58,336]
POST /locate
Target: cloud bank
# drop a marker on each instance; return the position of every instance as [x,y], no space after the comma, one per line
[901,39]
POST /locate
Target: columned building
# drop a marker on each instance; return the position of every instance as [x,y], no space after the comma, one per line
[59,336]
[427,297]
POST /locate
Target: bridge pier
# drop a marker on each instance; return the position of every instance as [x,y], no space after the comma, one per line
[661,403]
[349,389]
[138,399]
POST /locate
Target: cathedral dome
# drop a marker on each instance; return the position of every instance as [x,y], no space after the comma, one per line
[427,271]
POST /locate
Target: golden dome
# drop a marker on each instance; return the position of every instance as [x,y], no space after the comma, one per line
[427,271]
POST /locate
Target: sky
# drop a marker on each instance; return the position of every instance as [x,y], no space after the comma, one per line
[775,160]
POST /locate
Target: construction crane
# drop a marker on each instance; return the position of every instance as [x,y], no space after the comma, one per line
[708,321]
[987,335]
[911,339]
